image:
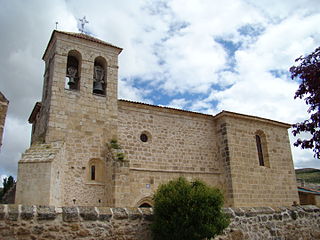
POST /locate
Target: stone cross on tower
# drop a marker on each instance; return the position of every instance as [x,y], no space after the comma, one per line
[83,22]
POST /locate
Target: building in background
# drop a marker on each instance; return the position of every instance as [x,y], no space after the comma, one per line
[308,196]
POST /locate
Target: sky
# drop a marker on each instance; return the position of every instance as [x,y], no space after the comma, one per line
[204,56]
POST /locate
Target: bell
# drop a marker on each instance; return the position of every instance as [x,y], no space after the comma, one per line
[97,88]
[71,82]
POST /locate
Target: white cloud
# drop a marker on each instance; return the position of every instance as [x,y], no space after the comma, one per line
[179,103]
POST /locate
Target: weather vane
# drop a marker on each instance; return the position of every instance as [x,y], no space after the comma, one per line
[83,22]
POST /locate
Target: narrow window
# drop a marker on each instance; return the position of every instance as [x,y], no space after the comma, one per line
[93,172]
[259,148]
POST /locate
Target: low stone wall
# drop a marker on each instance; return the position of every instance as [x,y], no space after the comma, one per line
[92,223]
[282,223]
[87,223]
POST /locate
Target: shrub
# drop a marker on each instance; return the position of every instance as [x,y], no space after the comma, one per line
[184,210]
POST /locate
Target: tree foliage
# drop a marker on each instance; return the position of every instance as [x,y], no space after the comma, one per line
[308,71]
[188,211]
[7,184]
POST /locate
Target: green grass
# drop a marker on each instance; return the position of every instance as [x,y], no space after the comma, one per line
[310,176]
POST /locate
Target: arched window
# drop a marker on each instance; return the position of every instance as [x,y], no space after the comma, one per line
[262,149]
[73,70]
[100,76]
[96,170]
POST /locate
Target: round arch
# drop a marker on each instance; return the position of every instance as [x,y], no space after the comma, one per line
[96,170]
[99,75]
[73,70]
[145,202]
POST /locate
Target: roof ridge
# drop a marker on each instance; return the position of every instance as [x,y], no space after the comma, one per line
[165,107]
[223,112]
[87,37]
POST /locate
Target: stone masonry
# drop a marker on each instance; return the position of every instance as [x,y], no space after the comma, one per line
[3,113]
[91,149]
[45,222]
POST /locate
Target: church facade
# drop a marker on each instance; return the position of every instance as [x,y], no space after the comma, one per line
[88,148]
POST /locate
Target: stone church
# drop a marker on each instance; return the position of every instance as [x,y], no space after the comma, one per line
[89,148]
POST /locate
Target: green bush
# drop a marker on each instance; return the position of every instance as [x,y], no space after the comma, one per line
[188,211]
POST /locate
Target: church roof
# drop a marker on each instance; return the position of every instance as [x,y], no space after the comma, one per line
[81,36]
[221,114]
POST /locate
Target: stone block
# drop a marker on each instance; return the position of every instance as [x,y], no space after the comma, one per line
[229,212]
[105,213]
[119,213]
[238,212]
[46,213]
[27,212]
[310,208]
[13,212]
[134,213]
[88,213]
[70,214]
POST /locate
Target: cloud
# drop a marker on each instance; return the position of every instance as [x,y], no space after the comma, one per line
[16,133]
[179,103]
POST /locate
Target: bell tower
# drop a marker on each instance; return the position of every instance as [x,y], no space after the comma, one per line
[75,120]
[80,86]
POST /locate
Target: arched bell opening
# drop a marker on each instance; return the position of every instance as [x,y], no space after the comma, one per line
[100,76]
[73,70]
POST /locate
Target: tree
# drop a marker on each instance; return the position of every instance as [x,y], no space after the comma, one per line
[188,211]
[7,184]
[308,71]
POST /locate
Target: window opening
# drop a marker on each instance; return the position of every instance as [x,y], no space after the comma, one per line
[93,172]
[144,137]
[72,73]
[145,205]
[99,76]
[259,148]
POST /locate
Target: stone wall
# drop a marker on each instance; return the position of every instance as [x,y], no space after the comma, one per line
[273,184]
[42,222]
[180,143]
